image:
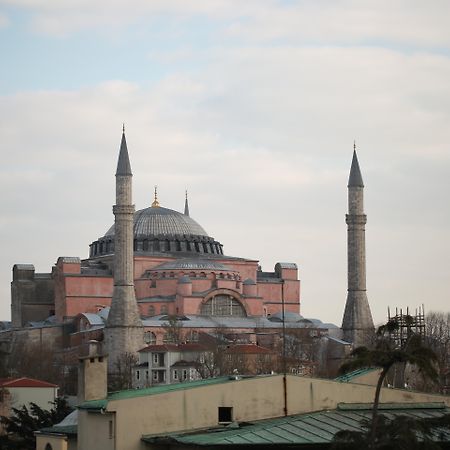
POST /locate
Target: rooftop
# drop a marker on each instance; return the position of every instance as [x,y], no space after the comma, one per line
[25,382]
[154,390]
[301,429]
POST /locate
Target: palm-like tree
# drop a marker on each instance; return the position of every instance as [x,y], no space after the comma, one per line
[384,355]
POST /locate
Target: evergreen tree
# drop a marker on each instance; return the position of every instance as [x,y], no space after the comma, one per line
[21,425]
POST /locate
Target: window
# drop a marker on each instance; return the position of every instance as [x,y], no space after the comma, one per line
[111,429]
[151,310]
[155,358]
[222,305]
[175,374]
[225,414]
[185,374]
[146,374]
[163,309]
[48,447]
[138,374]
[155,375]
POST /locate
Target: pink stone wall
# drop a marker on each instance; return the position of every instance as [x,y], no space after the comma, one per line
[75,294]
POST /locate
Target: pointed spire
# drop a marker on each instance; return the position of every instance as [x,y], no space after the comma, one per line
[355,178]
[186,205]
[123,165]
[155,203]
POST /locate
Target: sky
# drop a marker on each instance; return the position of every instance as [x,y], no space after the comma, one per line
[253,106]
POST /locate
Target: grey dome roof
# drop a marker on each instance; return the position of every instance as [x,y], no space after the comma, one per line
[288,317]
[163,221]
[191,264]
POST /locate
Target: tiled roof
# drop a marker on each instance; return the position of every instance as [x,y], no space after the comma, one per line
[160,348]
[302,429]
[24,382]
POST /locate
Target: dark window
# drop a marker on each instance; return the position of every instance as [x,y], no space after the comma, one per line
[48,447]
[225,414]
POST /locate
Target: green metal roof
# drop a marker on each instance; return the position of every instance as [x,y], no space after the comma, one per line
[307,429]
[154,390]
[67,430]
[348,377]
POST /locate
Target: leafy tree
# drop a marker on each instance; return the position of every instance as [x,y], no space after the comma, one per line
[21,425]
[385,355]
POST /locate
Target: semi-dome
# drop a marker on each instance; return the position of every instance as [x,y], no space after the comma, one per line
[163,221]
[162,230]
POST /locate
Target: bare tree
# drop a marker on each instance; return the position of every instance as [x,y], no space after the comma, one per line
[173,330]
[437,337]
[122,377]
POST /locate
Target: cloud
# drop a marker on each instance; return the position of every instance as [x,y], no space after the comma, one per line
[325,22]
[262,137]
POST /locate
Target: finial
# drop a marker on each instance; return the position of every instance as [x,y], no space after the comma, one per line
[123,127]
[354,145]
[186,194]
[155,203]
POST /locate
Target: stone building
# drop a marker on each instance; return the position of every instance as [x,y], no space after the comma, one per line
[156,263]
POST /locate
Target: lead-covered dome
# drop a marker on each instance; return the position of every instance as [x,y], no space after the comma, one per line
[155,221]
[162,230]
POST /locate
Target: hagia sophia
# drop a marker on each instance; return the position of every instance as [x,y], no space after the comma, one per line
[157,263]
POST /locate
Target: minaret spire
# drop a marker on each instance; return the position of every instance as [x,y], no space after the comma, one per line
[124,330]
[186,205]
[357,323]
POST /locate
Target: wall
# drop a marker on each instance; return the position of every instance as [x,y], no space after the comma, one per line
[25,395]
[57,442]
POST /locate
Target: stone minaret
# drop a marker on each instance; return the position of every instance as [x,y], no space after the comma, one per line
[357,324]
[124,333]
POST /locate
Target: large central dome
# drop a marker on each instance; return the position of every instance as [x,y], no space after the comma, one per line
[159,230]
[156,221]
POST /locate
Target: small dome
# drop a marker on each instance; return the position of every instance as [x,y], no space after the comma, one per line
[156,221]
[288,317]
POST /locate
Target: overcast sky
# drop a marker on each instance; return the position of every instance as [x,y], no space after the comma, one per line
[251,105]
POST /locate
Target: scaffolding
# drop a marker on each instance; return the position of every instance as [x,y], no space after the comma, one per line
[407,324]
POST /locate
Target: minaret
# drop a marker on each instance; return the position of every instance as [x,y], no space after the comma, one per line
[186,205]
[124,333]
[357,324]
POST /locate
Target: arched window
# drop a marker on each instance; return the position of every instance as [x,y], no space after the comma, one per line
[163,309]
[48,447]
[151,310]
[222,305]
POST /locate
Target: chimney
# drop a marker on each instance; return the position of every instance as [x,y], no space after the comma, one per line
[92,373]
